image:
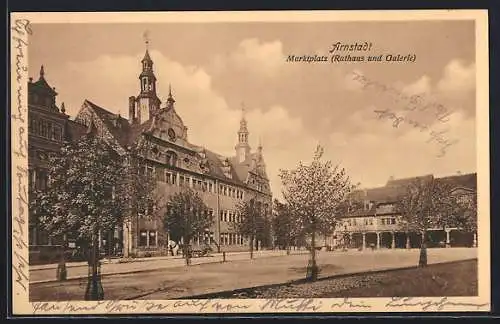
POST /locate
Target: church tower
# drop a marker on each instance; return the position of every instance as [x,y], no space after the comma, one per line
[242,148]
[147,103]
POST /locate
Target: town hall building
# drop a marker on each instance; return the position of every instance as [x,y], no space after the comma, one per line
[222,181]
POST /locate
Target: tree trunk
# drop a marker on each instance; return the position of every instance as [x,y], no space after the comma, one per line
[312,268]
[288,249]
[251,246]
[422,262]
[186,251]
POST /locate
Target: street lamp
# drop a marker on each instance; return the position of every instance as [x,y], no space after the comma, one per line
[94,289]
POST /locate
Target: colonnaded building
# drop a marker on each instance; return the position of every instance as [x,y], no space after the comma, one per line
[222,181]
[375,223]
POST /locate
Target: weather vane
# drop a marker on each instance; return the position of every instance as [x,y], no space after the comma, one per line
[146,37]
[243,109]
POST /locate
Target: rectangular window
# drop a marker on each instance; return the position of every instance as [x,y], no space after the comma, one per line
[43,128]
[152,238]
[56,135]
[41,180]
[221,216]
[160,175]
[210,187]
[49,130]
[182,181]
[225,216]
[143,238]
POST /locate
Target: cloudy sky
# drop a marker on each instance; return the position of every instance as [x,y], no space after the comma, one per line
[214,67]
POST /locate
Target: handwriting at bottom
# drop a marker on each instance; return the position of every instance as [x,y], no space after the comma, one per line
[347,303]
[439,304]
[291,305]
[208,304]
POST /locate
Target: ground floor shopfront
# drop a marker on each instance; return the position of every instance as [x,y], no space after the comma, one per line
[452,237]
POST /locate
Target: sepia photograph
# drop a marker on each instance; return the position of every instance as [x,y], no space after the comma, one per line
[239,162]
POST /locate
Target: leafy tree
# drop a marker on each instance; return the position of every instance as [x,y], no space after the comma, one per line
[139,189]
[283,223]
[187,217]
[251,224]
[427,203]
[80,199]
[314,193]
[465,215]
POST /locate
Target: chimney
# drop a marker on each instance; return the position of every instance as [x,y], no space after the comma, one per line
[131,110]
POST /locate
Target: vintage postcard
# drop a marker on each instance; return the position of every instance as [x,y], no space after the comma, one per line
[250,162]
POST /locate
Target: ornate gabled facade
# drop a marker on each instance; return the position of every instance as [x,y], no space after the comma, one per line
[48,128]
[222,181]
[373,221]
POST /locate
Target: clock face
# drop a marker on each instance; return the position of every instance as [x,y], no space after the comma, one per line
[171,134]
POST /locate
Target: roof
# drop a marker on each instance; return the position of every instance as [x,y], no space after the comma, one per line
[395,188]
[468,181]
[42,84]
[126,134]
[407,181]
[117,125]
[146,57]
[74,130]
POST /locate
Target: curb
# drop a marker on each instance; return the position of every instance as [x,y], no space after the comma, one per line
[141,270]
[296,281]
[131,272]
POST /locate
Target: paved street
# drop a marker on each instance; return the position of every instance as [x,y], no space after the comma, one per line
[43,273]
[174,281]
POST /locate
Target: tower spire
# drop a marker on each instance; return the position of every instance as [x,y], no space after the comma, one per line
[170,99]
[242,148]
[146,38]
[42,72]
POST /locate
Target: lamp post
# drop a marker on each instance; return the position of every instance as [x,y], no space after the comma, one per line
[94,289]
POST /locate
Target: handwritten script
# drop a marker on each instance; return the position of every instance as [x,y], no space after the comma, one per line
[134,306]
[258,305]
[432,304]
[417,104]
[20,30]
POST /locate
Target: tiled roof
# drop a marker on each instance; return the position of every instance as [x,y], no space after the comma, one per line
[42,84]
[74,130]
[395,188]
[468,181]
[126,134]
[117,125]
[407,181]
